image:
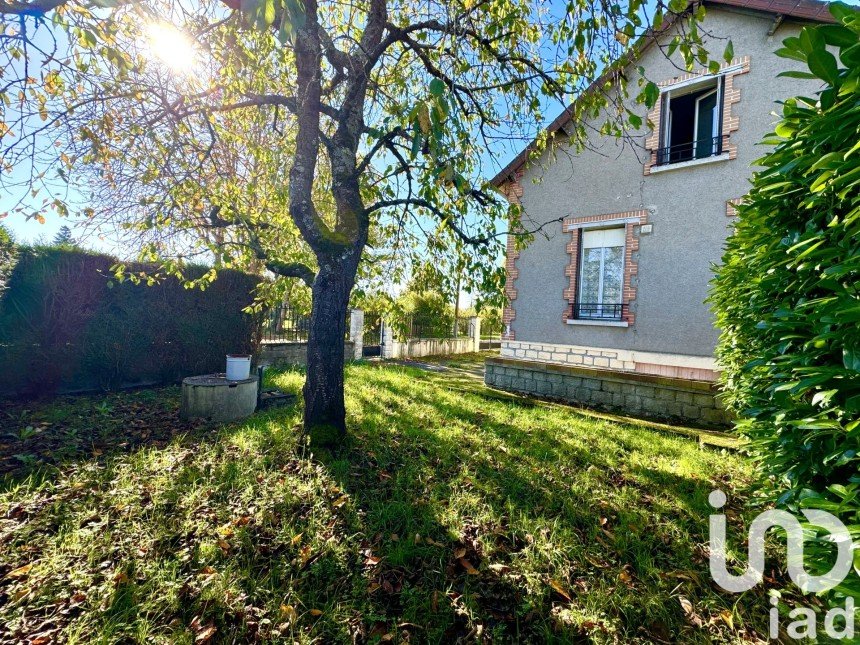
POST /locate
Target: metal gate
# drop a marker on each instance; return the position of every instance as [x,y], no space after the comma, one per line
[372,336]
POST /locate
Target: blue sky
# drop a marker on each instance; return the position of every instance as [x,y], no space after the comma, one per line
[29,230]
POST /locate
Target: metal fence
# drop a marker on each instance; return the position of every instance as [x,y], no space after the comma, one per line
[372,335]
[436,328]
[283,323]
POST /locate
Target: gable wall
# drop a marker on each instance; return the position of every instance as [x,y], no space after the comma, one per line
[687,208]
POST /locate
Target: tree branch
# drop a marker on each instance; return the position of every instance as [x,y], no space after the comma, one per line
[35,8]
[446,220]
[292,270]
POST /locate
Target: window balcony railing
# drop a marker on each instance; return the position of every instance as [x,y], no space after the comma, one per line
[699,149]
[599,311]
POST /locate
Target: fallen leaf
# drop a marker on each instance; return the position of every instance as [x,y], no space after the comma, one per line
[305,554]
[500,568]
[316,612]
[560,590]
[686,605]
[42,638]
[691,614]
[20,572]
[340,501]
[459,553]
[726,615]
[289,613]
[205,634]
[296,539]
[468,566]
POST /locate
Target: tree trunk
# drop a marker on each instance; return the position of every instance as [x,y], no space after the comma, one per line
[325,414]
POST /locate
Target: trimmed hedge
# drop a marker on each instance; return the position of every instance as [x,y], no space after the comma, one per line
[787,297]
[65,325]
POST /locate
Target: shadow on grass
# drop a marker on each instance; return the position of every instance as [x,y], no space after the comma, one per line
[448,516]
[527,523]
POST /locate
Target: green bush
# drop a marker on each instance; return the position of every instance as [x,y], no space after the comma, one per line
[424,313]
[65,324]
[787,296]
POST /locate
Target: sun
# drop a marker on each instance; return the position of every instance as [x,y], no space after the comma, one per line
[172,47]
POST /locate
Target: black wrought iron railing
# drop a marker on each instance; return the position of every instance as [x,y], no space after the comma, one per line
[689,151]
[283,323]
[598,311]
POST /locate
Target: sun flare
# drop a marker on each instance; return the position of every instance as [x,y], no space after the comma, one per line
[172,47]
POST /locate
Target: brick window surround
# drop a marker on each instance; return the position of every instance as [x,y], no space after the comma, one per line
[731,95]
[513,191]
[731,206]
[628,219]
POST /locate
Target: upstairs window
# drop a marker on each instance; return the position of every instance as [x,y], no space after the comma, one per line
[601,275]
[692,122]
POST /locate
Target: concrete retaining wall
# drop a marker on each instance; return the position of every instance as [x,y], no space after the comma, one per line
[417,347]
[635,394]
[294,353]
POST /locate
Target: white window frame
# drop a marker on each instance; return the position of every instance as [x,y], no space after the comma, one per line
[581,272]
[714,120]
[689,87]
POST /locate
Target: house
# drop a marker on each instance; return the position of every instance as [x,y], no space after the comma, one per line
[607,306]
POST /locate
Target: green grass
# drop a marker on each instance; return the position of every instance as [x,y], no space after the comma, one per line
[449,515]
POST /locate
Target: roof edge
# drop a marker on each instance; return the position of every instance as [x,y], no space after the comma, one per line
[808,10]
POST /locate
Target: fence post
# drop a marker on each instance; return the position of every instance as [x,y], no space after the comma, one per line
[356,332]
[386,340]
[475,332]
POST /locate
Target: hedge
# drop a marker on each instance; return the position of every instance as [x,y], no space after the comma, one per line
[66,325]
[787,297]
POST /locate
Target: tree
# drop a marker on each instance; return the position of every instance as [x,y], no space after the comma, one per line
[787,297]
[7,257]
[64,237]
[395,106]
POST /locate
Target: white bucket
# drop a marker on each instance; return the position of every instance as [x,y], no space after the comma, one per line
[238,367]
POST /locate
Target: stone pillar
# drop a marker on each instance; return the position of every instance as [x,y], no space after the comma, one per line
[475,332]
[356,332]
[386,340]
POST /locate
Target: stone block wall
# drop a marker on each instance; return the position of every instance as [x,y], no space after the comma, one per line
[629,393]
[294,353]
[569,354]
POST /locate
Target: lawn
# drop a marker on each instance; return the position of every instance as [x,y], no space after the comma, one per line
[450,514]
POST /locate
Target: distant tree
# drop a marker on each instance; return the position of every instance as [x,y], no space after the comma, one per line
[7,256]
[64,237]
[5,236]
[427,314]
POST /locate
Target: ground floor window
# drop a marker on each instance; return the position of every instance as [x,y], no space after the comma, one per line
[601,274]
